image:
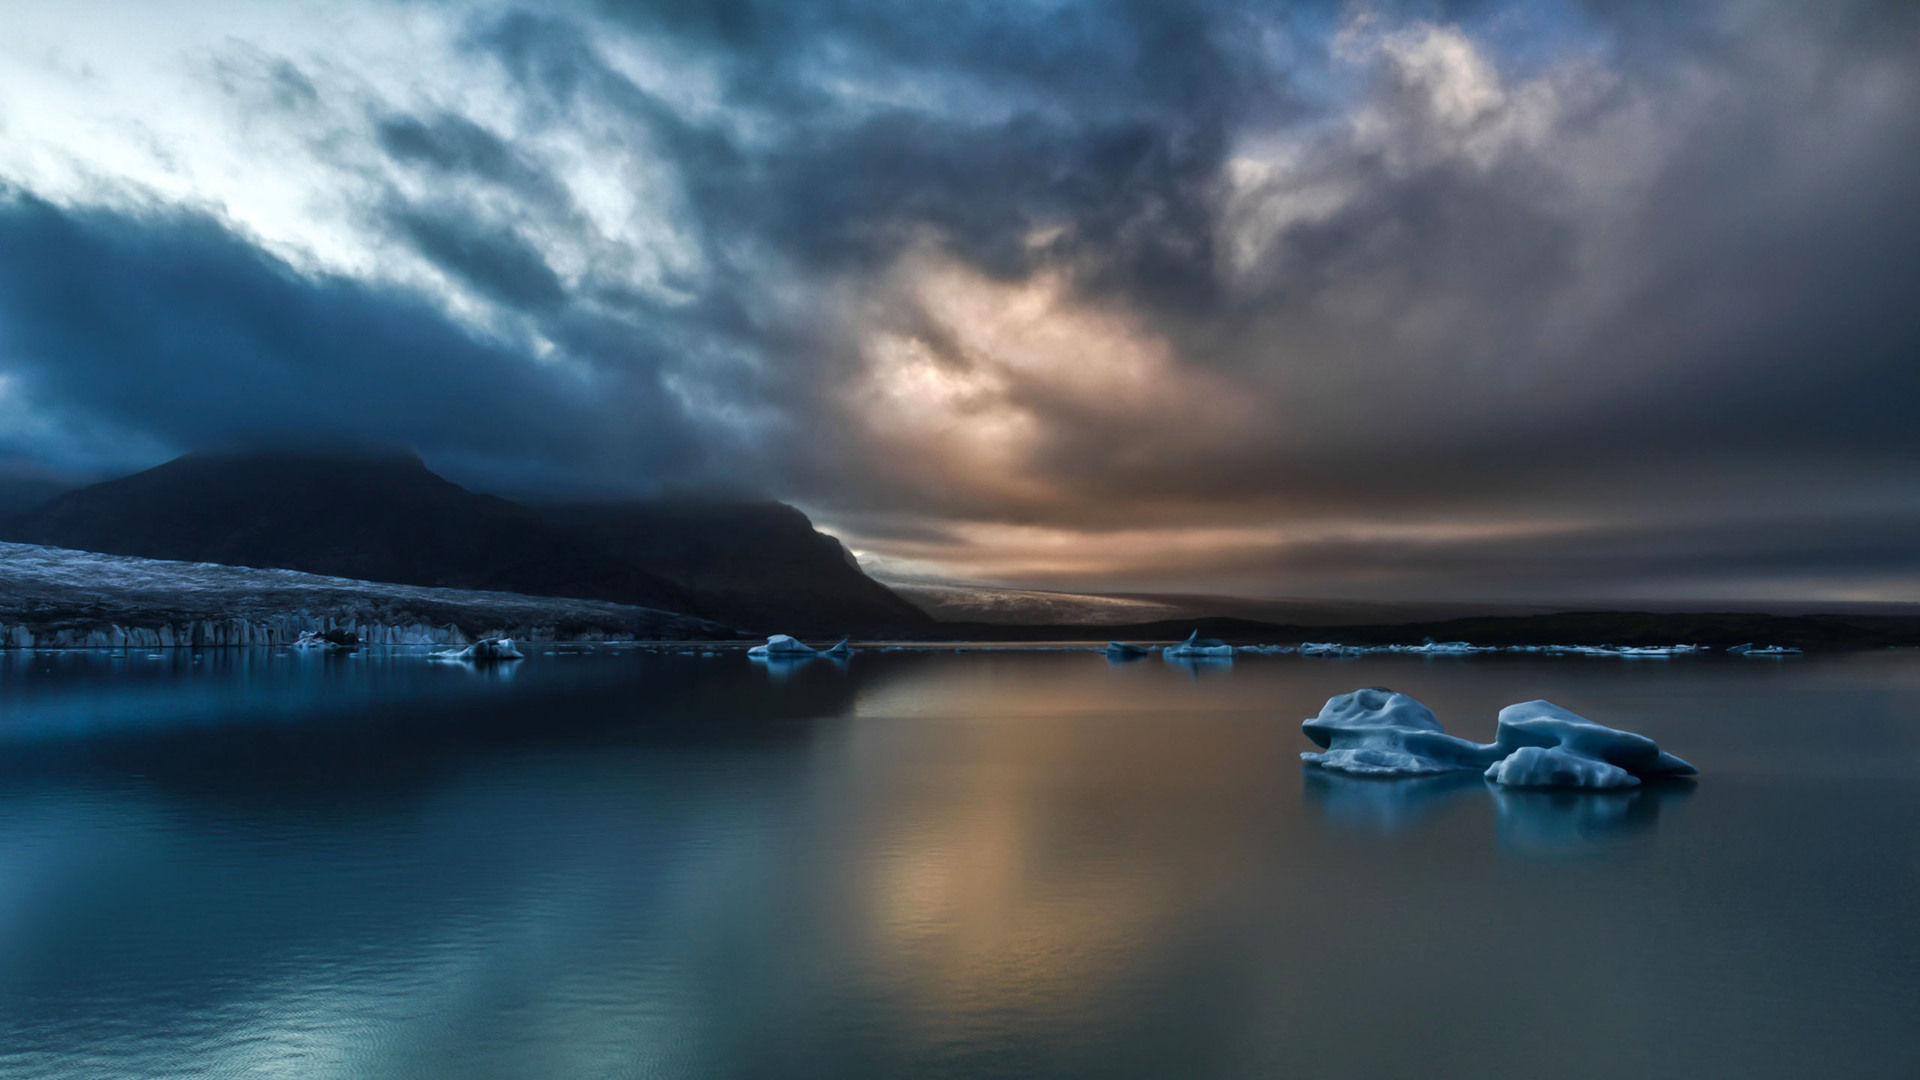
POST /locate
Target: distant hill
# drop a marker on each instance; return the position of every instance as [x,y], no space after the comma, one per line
[384,516]
[370,516]
[751,563]
[20,494]
[995,605]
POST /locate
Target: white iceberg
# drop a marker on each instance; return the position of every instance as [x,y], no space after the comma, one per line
[1557,767]
[786,647]
[1381,733]
[487,650]
[1197,647]
[781,645]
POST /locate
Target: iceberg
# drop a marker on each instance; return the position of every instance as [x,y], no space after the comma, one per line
[1329,648]
[1121,650]
[488,650]
[1381,733]
[782,646]
[786,647]
[1557,767]
[1749,649]
[1197,647]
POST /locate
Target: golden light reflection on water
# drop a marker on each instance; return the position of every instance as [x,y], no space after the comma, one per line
[989,884]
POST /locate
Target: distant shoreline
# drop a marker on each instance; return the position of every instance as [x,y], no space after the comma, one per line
[60,598]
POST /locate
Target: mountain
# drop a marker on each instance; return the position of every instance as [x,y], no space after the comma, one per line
[383,516]
[756,564]
[21,493]
[370,516]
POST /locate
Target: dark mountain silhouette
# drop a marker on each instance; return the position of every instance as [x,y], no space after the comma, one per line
[381,515]
[750,563]
[20,494]
[374,516]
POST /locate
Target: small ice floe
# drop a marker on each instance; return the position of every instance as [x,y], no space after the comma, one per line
[1378,732]
[1266,650]
[1124,650]
[1329,648]
[786,647]
[490,650]
[1198,648]
[1749,649]
[782,645]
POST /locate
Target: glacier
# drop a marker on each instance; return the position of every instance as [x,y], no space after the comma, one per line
[1382,733]
[57,598]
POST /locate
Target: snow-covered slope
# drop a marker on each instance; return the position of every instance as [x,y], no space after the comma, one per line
[59,597]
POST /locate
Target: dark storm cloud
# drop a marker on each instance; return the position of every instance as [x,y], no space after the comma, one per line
[1610,270]
[168,327]
[449,143]
[494,260]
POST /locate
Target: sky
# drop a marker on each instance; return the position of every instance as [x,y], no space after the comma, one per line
[1415,301]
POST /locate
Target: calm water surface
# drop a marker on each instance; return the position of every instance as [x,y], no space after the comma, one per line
[619,864]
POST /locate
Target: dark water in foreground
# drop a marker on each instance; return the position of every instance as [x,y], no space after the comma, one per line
[989,864]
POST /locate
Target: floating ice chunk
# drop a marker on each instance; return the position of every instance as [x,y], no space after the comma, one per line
[1196,647]
[840,648]
[1328,648]
[1544,724]
[783,646]
[488,650]
[1122,650]
[1557,767]
[1749,649]
[1379,732]
[1447,648]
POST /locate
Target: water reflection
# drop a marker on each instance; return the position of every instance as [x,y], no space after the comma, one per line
[1194,665]
[918,864]
[1527,820]
[1385,805]
[1537,821]
[781,668]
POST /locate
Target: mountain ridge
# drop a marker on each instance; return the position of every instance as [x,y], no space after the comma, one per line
[381,515]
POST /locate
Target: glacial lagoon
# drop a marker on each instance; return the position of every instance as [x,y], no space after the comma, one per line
[625,863]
